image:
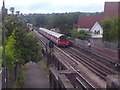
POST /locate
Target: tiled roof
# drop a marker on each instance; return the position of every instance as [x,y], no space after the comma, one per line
[88,21]
[111,9]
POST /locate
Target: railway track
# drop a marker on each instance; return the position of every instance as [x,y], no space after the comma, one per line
[76,66]
[110,63]
[97,67]
[86,85]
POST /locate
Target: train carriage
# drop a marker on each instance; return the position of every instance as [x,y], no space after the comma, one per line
[57,38]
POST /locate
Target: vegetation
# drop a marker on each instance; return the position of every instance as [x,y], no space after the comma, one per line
[110,30]
[0,34]
[0,44]
[21,45]
[0,56]
[44,67]
[63,21]
[21,79]
[82,34]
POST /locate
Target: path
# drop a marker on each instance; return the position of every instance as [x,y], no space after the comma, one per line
[35,77]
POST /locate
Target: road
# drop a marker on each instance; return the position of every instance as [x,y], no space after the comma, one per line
[35,77]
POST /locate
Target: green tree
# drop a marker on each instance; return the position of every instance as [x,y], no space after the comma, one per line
[12,10]
[10,51]
[82,34]
[13,22]
[74,34]
[41,21]
[110,30]
[107,25]
[17,12]
[26,47]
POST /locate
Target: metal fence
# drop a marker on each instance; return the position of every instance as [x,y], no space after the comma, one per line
[81,42]
[112,46]
[98,44]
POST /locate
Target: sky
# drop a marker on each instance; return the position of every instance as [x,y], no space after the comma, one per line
[56,6]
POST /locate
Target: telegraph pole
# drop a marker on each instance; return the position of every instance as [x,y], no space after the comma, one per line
[3,44]
[118,35]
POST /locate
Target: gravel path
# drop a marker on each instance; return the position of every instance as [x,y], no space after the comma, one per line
[35,77]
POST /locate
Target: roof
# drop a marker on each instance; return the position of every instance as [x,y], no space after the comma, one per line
[88,21]
[111,9]
[51,32]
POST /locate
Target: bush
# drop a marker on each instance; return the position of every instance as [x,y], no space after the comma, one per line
[21,80]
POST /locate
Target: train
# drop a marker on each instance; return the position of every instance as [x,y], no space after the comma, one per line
[58,39]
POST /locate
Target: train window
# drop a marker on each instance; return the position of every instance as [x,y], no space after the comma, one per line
[63,38]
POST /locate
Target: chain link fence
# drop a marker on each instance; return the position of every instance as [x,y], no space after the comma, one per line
[98,44]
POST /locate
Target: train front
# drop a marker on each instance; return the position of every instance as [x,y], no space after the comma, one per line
[63,41]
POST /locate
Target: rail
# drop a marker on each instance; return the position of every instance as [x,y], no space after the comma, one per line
[73,63]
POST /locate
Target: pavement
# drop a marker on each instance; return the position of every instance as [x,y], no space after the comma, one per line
[35,77]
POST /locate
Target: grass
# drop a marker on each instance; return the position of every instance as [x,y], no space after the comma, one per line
[26,66]
[44,67]
[21,79]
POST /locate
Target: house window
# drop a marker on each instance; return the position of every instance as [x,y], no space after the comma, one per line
[97,32]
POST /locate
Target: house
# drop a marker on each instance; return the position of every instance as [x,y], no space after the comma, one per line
[92,23]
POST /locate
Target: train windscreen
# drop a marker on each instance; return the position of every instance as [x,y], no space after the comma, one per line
[63,38]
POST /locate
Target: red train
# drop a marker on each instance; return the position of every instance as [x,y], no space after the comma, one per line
[56,38]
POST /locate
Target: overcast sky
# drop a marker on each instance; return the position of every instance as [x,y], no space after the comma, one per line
[55,6]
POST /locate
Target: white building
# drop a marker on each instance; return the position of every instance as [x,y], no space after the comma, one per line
[91,23]
[96,30]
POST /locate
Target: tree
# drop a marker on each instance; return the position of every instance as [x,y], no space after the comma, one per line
[10,51]
[110,30]
[82,34]
[13,22]
[25,46]
[41,21]
[107,25]
[74,34]
[12,10]
[17,13]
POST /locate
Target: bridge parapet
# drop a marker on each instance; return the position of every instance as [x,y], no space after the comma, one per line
[113,82]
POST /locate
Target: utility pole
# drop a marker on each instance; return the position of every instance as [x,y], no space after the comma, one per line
[3,44]
[118,35]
